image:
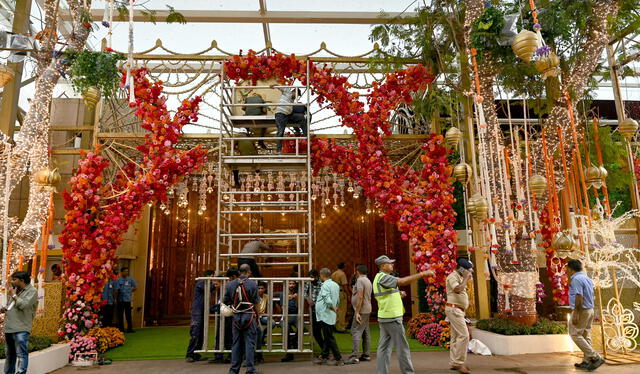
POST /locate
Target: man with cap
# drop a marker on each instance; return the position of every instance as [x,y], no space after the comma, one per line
[390,312]
[457,303]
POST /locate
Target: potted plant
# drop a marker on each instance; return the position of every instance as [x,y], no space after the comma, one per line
[94,73]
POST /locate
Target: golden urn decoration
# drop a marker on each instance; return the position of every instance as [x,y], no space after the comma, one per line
[547,65]
[628,127]
[525,44]
[596,176]
[453,136]
[91,97]
[6,75]
[462,173]
[481,207]
[564,244]
[47,177]
[537,185]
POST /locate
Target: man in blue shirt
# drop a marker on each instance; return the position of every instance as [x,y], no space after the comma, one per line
[581,301]
[326,311]
[196,332]
[242,295]
[124,288]
[109,302]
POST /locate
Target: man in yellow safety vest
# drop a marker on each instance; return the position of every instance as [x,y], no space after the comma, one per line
[390,312]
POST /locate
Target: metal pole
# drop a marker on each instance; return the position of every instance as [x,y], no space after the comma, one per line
[308,195]
[207,304]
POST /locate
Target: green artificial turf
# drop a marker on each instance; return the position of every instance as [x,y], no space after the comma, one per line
[161,343]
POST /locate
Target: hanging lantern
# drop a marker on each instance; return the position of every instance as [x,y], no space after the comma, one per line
[91,96]
[471,207]
[462,173]
[564,244]
[453,136]
[47,177]
[6,75]
[537,185]
[547,65]
[628,128]
[525,44]
[596,214]
[481,207]
[595,176]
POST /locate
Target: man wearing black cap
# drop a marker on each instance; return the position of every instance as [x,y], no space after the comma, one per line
[457,303]
[390,312]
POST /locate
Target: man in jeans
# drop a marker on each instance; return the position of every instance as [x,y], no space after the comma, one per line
[311,292]
[18,320]
[581,301]
[124,286]
[326,310]
[196,330]
[361,301]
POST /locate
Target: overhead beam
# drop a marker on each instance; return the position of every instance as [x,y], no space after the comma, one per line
[265,27]
[254,16]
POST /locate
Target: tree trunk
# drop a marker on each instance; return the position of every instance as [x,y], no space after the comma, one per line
[32,145]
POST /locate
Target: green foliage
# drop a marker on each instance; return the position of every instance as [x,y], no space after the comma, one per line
[94,69]
[122,8]
[507,327]
[485,32]
[175,17]
[36,343]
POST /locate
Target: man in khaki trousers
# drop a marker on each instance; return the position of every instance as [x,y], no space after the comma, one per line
[457,303]
[581,301]
[340,278]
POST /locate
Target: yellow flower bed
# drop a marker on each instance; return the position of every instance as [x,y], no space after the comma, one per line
[106,337]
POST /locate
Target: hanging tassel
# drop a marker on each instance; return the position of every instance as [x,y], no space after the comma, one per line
[132,96]
[108,18]
[494,238]
[492,260]
[507,304]
[486,269]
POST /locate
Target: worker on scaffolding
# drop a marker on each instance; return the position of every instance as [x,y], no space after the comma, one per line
[287,114]
[254,109]
[252,247]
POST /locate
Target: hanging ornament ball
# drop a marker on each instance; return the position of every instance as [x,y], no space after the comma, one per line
[537,185]
[595,176]
[525,44]
[47,177]
[471,207]
[596,213]
[6,75]
[91,96]
[453,136]
[547,64]
[628,128]
[462,173]
[481,207]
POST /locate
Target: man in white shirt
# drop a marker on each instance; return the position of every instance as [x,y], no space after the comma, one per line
[287,114]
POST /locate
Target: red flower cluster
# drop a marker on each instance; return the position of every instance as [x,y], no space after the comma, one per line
[419,202]
[555,265]
[99,215]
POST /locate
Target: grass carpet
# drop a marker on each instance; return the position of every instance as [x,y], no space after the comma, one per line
[163,343]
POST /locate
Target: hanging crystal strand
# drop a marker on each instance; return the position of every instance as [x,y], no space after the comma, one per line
[335,201]
[356,192]
[315,190]
[482,135]
[130,79]
[368,206]
[350,188]
[323,215]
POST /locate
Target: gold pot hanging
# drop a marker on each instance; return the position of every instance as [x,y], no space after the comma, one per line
[6,75]
[537,185]
[595,176]
[91,96]
[547,65]
[453,136]
[525,44]
[564,244]
[47,177]
[481,207]
[628,128]
[462,173]
[471,207]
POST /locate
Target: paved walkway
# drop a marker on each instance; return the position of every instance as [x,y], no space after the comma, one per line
[424,362]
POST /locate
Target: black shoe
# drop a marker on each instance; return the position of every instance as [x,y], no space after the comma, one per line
[288,357]
[190,359]
[581,365]
[365,358]
[593,365]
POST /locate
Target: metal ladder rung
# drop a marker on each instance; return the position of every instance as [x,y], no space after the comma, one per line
[262,254]
[262,211]
[266,235]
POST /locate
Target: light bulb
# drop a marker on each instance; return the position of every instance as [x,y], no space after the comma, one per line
[269,197]
[209,190]
[200,212]
[162,207]
[282,213]
[342,203]
[368,211]
[166,212]
[150,204]
[225,197]
[350,189]
[327,201]
[335,207]
[313,197]
[356,195]
[323,216]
